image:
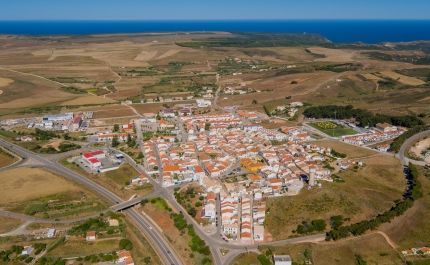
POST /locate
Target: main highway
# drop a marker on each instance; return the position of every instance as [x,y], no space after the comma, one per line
[168,254]
[160,243]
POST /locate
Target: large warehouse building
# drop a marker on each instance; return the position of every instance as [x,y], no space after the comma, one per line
[58,117]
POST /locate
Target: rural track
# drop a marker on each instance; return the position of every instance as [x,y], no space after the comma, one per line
[38,76]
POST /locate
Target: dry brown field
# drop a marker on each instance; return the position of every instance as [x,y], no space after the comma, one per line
[5,160]
[332,55]
[110,122]
[364,194]
[9,224]
[374,249]
[412,228]
[352,151]
[113,113]
[87,100]
[24,184]
[403,78]
[155,107]
[371,77]
[97,108]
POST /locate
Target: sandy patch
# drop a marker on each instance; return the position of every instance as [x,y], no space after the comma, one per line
[54,144]
[5,81]
[168,53]
[403,79]
[419,147]
[145,56]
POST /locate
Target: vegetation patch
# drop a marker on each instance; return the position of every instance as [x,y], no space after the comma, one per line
[361,115]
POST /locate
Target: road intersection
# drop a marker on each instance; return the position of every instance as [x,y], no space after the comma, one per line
[165,250]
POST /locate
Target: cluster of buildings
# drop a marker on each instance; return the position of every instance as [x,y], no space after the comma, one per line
[93,158]
[106,134]
[242,217]
[214,155]
[290,111]
[216,122]
[417,251]
[63,121]
[238,90]
[362,139]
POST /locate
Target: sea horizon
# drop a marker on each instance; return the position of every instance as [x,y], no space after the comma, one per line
[338,31]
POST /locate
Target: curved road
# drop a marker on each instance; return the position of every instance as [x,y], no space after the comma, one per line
[401,155]
[164,249]
[213,241]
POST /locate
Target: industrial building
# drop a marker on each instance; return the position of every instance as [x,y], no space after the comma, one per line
[77,123]
[58,117]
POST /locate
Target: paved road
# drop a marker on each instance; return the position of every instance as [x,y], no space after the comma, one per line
[401,155]
[166,252]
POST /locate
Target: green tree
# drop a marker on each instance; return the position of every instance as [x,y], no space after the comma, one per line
[129,139]
[319,225]
[254,101]
[207,126]
[125,244]
[147,260]
[115,141]
[116,128]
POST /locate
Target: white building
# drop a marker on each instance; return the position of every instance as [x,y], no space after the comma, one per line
[282,259]
[51,233]
[230,229]
[201,103]
[27,250]
[58,117]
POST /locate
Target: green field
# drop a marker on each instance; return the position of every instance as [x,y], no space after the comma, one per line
[336,132]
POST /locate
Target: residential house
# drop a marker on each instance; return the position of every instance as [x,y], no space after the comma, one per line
[91,236]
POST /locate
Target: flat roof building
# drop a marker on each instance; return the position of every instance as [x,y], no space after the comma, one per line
[282,259]
[58,117]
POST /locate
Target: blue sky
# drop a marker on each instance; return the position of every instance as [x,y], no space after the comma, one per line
[212,10]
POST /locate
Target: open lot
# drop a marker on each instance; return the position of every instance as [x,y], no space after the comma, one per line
[81,248]
[365,193]
[9,224]
[6,159]
[246,259]
[26,191]
[24,184]
[352,151]
[374,249]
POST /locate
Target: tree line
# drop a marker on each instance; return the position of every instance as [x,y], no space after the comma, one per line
[363,116]
[412,193]
[398,142]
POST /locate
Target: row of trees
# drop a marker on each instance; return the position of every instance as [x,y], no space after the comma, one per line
[413,193]
[365,117]
[398,142]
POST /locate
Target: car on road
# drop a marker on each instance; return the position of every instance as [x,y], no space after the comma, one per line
[150,227]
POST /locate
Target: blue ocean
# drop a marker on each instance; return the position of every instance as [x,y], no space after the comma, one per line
[340,31]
